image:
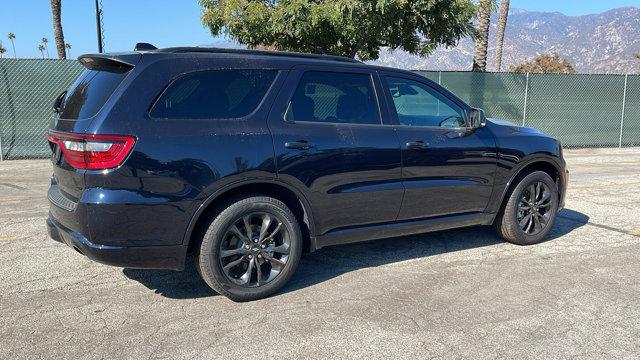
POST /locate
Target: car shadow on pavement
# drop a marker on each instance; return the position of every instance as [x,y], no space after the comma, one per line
[185,284]
[334,261]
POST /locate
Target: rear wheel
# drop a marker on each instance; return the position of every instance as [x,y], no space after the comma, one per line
[530,210]
[251,249]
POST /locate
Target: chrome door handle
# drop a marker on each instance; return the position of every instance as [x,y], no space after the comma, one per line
[417,145]
[298,145]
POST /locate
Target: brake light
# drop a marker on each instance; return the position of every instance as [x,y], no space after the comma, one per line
[93,152]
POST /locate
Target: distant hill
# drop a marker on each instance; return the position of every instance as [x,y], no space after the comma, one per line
[598,43]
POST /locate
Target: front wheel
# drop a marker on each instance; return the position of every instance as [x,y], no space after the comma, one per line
[530,210]
[251,248]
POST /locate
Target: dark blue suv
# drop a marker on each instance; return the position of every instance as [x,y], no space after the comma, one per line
[250,158]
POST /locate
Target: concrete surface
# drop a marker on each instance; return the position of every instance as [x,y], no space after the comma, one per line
[454,294]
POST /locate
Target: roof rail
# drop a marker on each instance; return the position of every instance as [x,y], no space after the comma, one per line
[199,49]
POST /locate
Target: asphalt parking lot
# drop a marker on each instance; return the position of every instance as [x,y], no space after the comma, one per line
[453,294]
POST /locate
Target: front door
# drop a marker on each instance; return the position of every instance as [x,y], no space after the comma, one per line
[448,167]
[330,143]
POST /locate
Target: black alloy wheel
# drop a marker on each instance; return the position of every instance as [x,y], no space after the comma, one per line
[255,249]
[251,248]
[533,209]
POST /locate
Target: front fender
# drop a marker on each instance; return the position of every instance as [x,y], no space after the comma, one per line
[536,160]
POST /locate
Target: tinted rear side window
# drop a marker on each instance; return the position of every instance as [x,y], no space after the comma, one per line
[89,93]
[215,94]
[331,97]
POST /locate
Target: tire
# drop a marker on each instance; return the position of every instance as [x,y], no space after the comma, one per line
[227,234]
[512,222]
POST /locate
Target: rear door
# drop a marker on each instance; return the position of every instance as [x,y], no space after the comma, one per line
[448,168]
[330,143]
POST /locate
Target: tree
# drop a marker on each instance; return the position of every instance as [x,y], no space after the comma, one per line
[637,56]
[483,18]
[545,63]
[56,10]
[67,46]
[502,25]
[2,50]
[44,43]
[41,48]
[341,27]
[11,36]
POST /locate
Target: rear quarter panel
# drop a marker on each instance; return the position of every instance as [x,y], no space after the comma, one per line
[176,164]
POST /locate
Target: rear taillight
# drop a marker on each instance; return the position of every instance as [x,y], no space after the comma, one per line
[93,152]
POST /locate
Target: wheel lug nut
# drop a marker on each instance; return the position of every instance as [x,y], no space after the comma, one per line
[264,246]
[259,256]
[246,246]
[250,256]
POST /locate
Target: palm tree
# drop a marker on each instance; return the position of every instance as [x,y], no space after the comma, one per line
[502,25]
[41,48]
[56,10]
[483,14]
[2,50]
[68,47]
[11,36]
[44,42]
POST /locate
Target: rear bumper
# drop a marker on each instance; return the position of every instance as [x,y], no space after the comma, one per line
[142,257]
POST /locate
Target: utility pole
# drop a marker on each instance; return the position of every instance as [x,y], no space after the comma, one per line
[98,26]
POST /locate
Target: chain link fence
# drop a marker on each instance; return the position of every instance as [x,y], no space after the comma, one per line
[27,90]
[581,110]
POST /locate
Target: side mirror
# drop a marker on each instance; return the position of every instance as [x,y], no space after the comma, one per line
[477,118]
[57,103]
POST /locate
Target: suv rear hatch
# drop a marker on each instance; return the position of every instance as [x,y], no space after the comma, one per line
[74,150]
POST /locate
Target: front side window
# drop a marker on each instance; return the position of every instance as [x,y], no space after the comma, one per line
[419,105]
[214,94]
[330,97]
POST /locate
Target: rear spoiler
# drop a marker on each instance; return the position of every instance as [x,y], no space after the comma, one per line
[110,62]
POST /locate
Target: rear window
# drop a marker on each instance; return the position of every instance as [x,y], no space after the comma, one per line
[214,94]
[89,93]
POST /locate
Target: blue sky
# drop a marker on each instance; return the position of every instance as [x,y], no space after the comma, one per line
[166,22]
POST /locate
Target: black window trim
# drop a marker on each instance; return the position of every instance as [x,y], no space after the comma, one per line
[358,71]
[188,73]
[394,114]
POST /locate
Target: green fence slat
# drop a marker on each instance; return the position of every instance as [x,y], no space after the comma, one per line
[431,75]
[631,126]
[581,110]
[501,95]
[27,90]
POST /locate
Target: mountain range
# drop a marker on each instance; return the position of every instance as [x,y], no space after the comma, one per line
[596,43]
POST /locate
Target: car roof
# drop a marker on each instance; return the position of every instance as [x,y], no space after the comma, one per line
[253,52]
[296,58]
[282,59]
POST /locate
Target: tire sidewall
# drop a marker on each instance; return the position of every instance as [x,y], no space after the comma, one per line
[210,266]
[533,177]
